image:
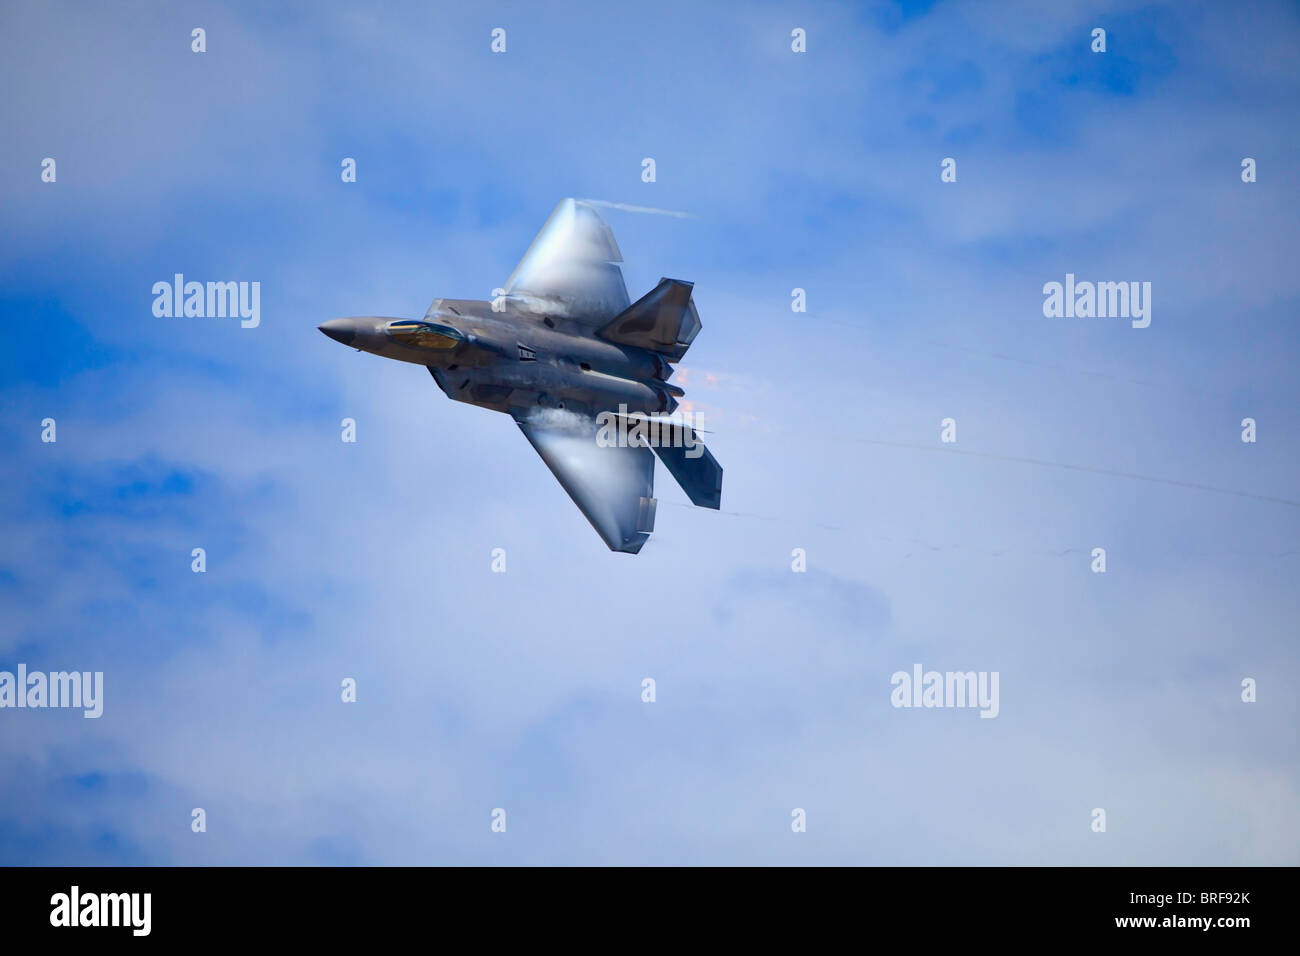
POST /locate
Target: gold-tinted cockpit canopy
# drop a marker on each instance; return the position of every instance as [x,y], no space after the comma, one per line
[425,335]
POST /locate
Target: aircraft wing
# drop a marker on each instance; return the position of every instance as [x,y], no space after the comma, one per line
[612,486]
[571,269]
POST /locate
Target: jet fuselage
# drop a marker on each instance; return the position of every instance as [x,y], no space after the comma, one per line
[512,358]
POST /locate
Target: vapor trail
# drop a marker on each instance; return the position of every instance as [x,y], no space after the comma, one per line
[1068,467]
[646,209]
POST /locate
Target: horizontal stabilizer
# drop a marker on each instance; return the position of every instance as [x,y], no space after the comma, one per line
[664,320]
[693,465]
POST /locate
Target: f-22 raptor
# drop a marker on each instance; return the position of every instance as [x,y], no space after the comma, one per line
[564,352]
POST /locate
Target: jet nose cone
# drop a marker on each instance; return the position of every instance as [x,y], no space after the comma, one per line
[340,330]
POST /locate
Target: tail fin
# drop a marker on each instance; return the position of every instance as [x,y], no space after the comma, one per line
[663,320]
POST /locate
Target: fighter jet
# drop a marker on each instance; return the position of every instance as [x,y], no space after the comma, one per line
[581,369]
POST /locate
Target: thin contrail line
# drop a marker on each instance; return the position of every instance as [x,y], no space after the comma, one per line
[646,209]
[1032,363]
[1056,366]
[751,514]
[1088,468]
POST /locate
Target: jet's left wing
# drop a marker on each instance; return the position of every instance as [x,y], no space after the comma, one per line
[571,269]
[613,486]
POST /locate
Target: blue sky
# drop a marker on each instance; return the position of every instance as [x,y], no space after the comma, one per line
[522,690]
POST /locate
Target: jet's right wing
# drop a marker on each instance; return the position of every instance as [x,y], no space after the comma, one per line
[612,485]
[571,269]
